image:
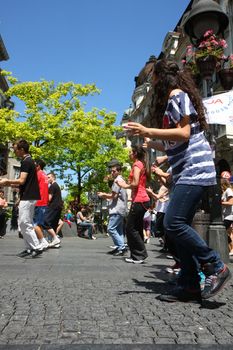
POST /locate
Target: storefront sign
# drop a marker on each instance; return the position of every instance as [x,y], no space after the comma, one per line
[220,109]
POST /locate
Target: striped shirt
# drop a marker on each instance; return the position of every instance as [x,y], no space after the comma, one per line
[191,161]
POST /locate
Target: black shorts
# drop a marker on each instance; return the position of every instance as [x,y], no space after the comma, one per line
[52,217]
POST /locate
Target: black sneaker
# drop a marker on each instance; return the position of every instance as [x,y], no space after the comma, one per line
[121,252]
[113,251]
[24,253]
[36,253]
[180,294]
[215,282]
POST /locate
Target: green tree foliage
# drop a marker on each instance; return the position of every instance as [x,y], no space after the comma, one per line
[75,142]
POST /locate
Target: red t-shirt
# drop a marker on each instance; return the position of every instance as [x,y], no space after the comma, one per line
[44,189]
[139,193]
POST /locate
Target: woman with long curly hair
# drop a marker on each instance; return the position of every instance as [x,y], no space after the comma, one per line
[139,174]
[181,119]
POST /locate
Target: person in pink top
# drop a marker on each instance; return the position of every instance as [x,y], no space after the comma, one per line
[140,204]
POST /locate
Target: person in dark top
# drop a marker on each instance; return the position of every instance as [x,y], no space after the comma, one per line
[53,212]
[29,193]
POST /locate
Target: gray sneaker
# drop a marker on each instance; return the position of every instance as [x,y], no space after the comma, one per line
[215,282]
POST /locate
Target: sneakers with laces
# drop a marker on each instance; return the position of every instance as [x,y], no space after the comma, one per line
[56,241]
[215,282]
[24,253]
[130,260]
[181,294]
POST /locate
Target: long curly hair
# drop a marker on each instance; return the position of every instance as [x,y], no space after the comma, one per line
[171,77]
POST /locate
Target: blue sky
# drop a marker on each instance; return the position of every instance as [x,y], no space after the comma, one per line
[105,42]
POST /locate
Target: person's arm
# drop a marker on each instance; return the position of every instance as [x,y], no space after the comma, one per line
[135,181]
[19,182]
[228,202]
[180,133]
[157,145]
[109,196]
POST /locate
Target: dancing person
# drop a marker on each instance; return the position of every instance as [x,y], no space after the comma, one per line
[29,193]
[140,204]
[53,212]
[181,119]
[227,211]
[117,212]
[42,203]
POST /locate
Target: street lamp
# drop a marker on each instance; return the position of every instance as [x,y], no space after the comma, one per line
[205,15]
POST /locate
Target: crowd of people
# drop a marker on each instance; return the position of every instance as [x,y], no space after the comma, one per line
[190,171]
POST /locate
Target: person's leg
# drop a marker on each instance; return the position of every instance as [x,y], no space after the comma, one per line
[115,229]
[134,231]
[50,224]
[192,249]
[26,212]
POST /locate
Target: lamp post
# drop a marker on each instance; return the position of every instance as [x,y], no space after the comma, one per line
[205,15]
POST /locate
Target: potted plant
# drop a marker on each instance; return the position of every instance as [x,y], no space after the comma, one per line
[226,73]
[207,55]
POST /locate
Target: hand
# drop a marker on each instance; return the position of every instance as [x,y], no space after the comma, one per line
[136,129]
[100,194]
[146,144]
[149,191]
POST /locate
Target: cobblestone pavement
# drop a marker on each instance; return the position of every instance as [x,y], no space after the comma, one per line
[78,294]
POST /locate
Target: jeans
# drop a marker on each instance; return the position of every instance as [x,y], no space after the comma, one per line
[116,230]
[134,230]
[26,212]
[192,250]
[88,226]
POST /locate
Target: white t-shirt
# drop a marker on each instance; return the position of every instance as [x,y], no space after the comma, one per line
[227,210]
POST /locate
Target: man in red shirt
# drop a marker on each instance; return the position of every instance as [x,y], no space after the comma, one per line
[41,204]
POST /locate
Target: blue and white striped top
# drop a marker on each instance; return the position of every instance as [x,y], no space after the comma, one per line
[191,161]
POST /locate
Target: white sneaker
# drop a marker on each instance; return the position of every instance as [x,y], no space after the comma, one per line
[54,242]
[45,244]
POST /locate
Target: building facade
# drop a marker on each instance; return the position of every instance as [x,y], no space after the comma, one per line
[174,47]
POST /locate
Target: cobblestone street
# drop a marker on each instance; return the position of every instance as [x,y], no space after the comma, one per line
[78,294]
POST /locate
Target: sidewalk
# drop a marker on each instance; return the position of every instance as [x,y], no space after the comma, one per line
[80,295]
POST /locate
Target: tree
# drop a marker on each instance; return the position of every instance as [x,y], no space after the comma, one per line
[70,139]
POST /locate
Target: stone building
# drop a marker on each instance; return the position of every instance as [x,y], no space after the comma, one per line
[8,164]
[174,47]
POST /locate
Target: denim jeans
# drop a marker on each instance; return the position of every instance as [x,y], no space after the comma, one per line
[116,230]
[134,230]
[192,250]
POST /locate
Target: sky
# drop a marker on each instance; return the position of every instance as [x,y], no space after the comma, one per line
[105,42]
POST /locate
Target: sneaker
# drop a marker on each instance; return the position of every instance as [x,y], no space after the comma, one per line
[54,242]
[36,253]
[115,250]
[173,269]
[180,294]
[24,253]
[113,246]
[121,252]
[44,245]
[215,282]
[130,260]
